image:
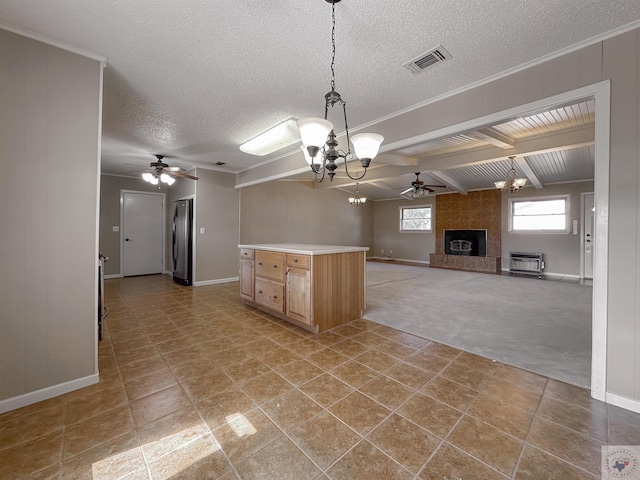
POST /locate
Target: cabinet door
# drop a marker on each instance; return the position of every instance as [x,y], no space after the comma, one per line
[270,294]
[299,295]
[246,279]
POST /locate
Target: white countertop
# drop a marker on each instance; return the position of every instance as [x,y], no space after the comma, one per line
[305,249]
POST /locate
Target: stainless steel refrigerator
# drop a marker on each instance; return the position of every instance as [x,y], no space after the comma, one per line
[182,242]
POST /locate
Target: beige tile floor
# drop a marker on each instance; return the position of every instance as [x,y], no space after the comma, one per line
[194,385]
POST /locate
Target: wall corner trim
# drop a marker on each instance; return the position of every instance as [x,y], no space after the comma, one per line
[623,402]
[55,43]
[47,393]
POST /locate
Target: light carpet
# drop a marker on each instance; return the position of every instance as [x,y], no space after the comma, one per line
[543,326]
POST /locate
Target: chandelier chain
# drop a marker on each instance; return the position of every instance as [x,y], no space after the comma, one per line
[321,153]
[333,46]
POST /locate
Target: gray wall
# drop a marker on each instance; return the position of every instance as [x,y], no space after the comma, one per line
[616,59]
[295,212]
[49,138]
[110,186]
[217,211]
[216,203]
[414,246]
[561,250]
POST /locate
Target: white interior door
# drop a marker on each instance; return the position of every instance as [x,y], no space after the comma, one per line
[142,233]
[588,238]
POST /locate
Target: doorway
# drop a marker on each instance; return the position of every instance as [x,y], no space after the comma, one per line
[142,233]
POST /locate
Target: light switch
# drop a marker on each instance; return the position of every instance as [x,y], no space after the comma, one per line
[115,228]
[202,231]
[575,227]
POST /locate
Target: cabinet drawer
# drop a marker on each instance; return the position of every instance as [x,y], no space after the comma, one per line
[270,265]
[270,294]
[246,253]
[298,261]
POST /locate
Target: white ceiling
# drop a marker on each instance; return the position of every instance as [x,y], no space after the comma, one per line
[193,80]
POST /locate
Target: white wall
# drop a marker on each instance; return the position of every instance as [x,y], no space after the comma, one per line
[50,103]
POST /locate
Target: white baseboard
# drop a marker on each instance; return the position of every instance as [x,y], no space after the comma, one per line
[391,260]
[47,393]
[113,275]
[423,262]
[215,282]
[623,402]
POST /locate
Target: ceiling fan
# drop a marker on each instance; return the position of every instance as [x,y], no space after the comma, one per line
[419,189]
[160,171]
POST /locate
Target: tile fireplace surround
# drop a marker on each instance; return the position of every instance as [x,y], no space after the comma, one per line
[477,210]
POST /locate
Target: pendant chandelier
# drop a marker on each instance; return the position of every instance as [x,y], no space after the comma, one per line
[357,200]
[319,142]
[511,184]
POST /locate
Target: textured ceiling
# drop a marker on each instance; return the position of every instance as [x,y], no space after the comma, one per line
[193,79]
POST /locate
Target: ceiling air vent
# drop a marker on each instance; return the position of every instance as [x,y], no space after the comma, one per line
[424,61]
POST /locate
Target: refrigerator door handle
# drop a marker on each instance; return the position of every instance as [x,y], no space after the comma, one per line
[173,239]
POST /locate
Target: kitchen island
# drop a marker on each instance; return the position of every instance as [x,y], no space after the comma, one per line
[316,287]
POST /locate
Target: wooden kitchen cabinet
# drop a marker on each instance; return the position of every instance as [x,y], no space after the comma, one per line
[270,294]
[316,287]
[269,280]
[246,273]
[270,265]
[246,279]
[299,292]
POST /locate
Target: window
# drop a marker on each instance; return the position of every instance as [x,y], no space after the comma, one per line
[415,219]
[544,214]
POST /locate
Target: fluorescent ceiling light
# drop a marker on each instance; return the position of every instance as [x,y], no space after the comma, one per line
[280,136]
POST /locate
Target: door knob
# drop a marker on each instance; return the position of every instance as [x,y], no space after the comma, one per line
[127,239]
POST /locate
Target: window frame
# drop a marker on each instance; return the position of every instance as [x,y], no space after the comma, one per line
[401,209]
[567,213]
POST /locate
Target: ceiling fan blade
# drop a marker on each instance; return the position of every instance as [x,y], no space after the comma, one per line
[435,186]
[180,174]
[407,191]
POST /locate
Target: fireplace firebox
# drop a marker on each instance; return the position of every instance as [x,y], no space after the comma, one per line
[471,243]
